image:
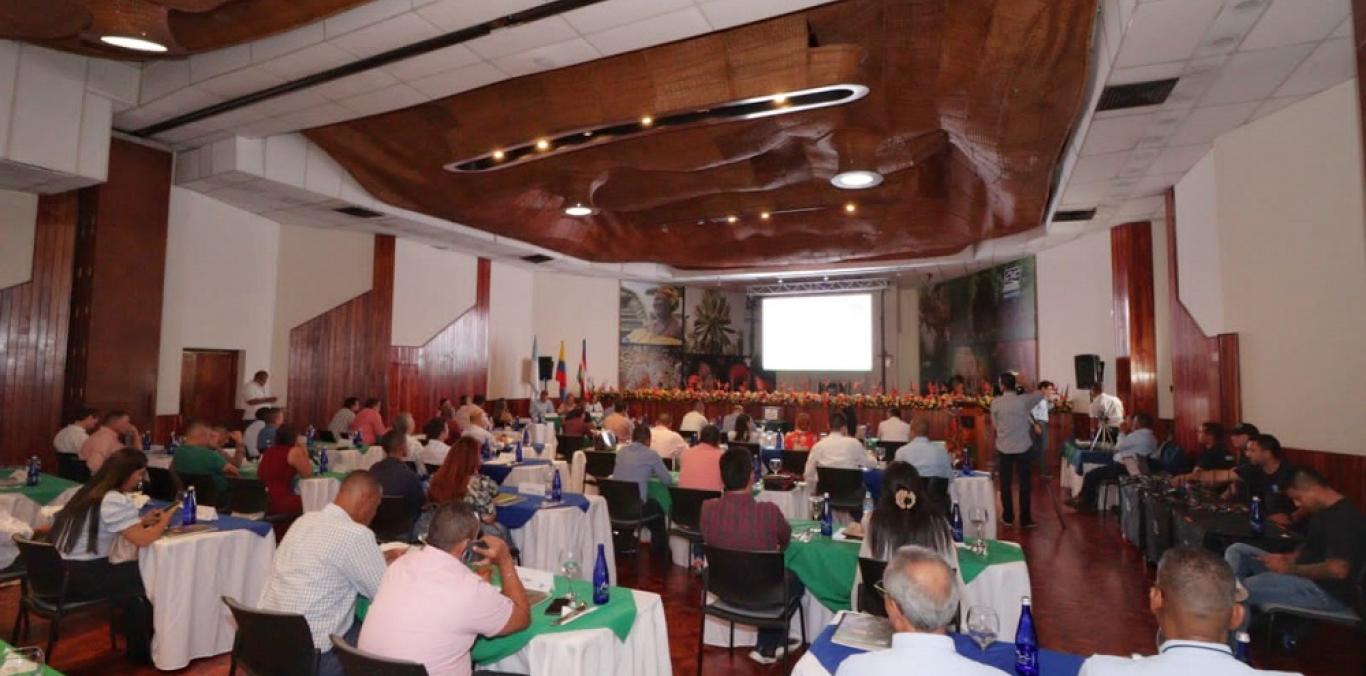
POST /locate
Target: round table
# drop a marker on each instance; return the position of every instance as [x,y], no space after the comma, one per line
[531,474]
[541,539]
[972,492]
[591,652]
[350,459]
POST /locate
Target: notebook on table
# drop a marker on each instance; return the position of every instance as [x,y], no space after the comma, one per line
[864,632]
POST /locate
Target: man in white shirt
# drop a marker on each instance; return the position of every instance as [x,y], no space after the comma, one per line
[255,395]
[837,450]
[468,407]
[434,453]
[1040,432]
[921,600]
[1106,410]
[477,427]
[664,441]
[540,408]
[70,438]
[1193,601]
[325,561]
[252,435]
[694,420]
[340,425]
[894,428]
[928,458]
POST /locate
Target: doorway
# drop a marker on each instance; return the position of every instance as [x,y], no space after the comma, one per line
[208,385]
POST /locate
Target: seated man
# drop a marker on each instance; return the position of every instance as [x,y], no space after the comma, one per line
[921,600]
[894,428]
[478,428]
[434,453]
[664,441]
[369,422]
[1264,476]
[1193,601]
[252,433]
[694,420]
[266,437]
[1213,453]
[116,430]
[928,458]
[340,424]
[637,462]
[576,423]
[1321,574]
[70,438]
[1135,445]
[617,423]
[737,521]
[325,561]
[394,476]
[196,457]
[541,407]
[837,450]
[701,464]
[431,607]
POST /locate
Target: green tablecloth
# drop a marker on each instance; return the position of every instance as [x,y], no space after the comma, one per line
[47,671]
[660,493]
[971,565]
[825,566]
[47,490]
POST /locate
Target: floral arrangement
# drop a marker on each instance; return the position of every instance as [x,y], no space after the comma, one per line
[801,398]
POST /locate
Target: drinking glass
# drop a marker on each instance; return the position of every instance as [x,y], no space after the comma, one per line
[978,517]
[983,625]
[22,661]
[570,569]
[774,465]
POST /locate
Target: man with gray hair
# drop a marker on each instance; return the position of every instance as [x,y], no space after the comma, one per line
[1193,600]
[921,598]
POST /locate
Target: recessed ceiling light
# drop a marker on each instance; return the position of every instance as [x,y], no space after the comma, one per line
[498,155]
[850,207]
[856,180]
[543,145]
[647,121]
[780,99]
[578,210]
[129,42]
[764,215]
[732,219]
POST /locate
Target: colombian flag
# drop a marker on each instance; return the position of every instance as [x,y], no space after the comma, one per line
[561,376]
[583,368]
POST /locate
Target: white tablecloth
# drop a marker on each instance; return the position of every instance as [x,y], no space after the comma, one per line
[533,473]
[27,512]
[186,577]
[317,492]
[972,492]
[551,530]
[598,652]
[350,459]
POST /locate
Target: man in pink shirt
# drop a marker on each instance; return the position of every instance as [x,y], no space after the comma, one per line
[114,427]
[702,463]
[430,606]
[369,422]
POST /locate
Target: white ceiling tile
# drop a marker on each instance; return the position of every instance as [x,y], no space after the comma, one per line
[398,31]
[550,57]
[1197,78]
[114,80]
[1115,133]
[307,61]
[235,118]
[508,41]
[612,13]
[134,118]
[182,100]
[316,116]
[453,15]
[208,64]
[384,100]
[459,80]
[160,78]
[1229,28]
[363,15]
[724,14]
[184,133]
[363,82]
[1154,184]
[291,102]
[653,31]
[1157,71]
[1178,159]
[1141,207]
[431,63]
[278,45]
[1252,76]
[1288,22]
[1165,30]
[1205,123]
[1098,167]
[1084,195]
[1273,105]
[1334,61]
[240,82]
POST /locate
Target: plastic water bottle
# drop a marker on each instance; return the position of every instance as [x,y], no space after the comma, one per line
[758,471]
[517,452]
[147,440]
[358,440]
[867,502]
[1255,511]
[486,451]
[556,487]
[602,590]
[322,460]
[778,441]
[1026,642]
[189,509]
[172,445]
[34,470]
[957,523]
[967,462]
[309,434]
[827,518]
[526,435]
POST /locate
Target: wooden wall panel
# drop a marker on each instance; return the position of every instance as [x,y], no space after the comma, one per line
[34,317]
[1135,315]
[1347,473]
[452,363]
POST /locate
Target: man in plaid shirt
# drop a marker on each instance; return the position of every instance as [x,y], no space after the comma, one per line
[737,521]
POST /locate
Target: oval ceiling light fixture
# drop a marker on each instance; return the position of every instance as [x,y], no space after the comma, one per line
[578,210]
[134,43]
[858,179]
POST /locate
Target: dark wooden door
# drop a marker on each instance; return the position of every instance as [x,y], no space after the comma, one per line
[208,385]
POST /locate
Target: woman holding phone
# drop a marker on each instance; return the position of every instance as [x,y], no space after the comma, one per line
[99,517]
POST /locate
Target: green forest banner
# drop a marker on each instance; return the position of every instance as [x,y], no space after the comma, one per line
[980,325]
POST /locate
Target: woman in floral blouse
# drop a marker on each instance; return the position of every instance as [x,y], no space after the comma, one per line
[459,479]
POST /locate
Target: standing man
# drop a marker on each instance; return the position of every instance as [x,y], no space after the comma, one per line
[1010,415]
[255,395]
[1107,412]
[1040,431]
[894,428]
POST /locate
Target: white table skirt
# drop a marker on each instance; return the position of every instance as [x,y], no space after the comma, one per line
[536,474]
[972,492]
[808,665]
[318,492]
[185,578]
[999,587]
[350,459]
[598,652]
[24,510]
[578,469]
[551,530]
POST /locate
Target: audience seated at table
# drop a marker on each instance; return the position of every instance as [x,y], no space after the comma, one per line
[252,434]
[405,425]
[502,415]
[1265,476]
[228,444]
[266,437]
[94,532]
[1321,574]
[116,430]
[369,422]
[477,428]
[905,514]
[738,522]
[1213,452]
[195,457]
[666,442]
[801,438]
[893,428]
[695,419]
[327,559]
[436,448]
[69,439]
[459,480]
[431,607]
[744,430]
[576,423]
[701,464]
[340,425]
[1239,436]
[446,411]
[731,423]
[592,405]
[567,404]
[921,599]
[617,423]
[1193,601]
[837,450]
[637,462]
[469,405]
[928,458]
[282,465]
[394,476]
[542,407]
[1136,444]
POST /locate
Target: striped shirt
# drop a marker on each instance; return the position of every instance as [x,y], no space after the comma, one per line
[737,521]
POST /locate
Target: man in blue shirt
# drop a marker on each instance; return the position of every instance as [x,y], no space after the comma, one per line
[637,462]
[1134,446]
[928,458]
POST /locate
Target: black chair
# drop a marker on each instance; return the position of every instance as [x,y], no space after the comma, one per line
[627,512]
[394,520]
[205,490]
[268,642]
[752,447]
[162,484]
[248,496]
[599,465]
[937,487]
[566,444]
[685,513]
[44,594]
[794,462]
[869,600]
[71,467]
[751,588]
[357,663]
[1355,618]
[845,487]
[887,449]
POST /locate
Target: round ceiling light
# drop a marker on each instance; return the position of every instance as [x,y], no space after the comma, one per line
[856,180]
[578,210]
[136,44]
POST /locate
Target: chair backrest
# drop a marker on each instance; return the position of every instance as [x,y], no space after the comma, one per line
[394,520]
[357,663]
[71,467]
[205,488]
[845,486]
[600,464]
[750,446]
[566,444]
[623,499]
[45,570]
[795,461]
[686,510]
[746,579]
[248,495]
[938,488]
[888,448]
[431,469]
[268,642]
[869,600]
[162,484]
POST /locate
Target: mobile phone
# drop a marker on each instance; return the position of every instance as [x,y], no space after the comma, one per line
[556,606]
[476,551]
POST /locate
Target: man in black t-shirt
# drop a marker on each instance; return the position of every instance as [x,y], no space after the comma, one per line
[1266,477]
[1214,453]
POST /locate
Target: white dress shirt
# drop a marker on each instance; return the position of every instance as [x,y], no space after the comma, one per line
[324,562]
[666,442]
[693,422]
[479,434]
[922,653]
[251,435]
[69,439]
[434,453]
[340,424]
[837,450]
[1040,412]
[1107,408]
[253,390]
[894,429]
[1138,443]
[1174,658]
[928,458]
[541,409]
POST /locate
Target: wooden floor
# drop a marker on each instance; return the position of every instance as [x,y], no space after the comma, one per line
[1090,595]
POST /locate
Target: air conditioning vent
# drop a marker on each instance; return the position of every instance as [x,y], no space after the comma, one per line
[358,212]
[1074,215]
[537,258]
[1135,95]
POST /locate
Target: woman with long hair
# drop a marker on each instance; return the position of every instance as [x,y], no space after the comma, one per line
[282,465]
[741,433]
[86,530]
[459,479]
[801,438]
[906,515]
[502,415]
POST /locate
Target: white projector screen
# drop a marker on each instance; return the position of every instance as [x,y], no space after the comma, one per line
[818,333]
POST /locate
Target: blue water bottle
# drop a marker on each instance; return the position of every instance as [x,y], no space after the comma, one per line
[602,590]
[517,452]
[322,460]
[172,445]
[967,462]
[827,518]
[358,440]
[147,440]
[526,436]
[778,442]
[556,487]
[34,469]
[1026,642]
[957,524]
[309,434]
[1255,512]
[1242,640]
[486,451]
[189,509]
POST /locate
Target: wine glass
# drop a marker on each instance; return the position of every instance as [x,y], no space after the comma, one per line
[774,465]
[570,568]
[983,625]
[22,661]
[978,517]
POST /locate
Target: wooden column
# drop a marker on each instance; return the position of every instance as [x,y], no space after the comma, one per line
[1131,256]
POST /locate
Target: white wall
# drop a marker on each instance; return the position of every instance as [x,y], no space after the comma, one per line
[18,224]
[573,308]
[1200,266]
[221,271]
[1075,306]
[432,287]
[511,308]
